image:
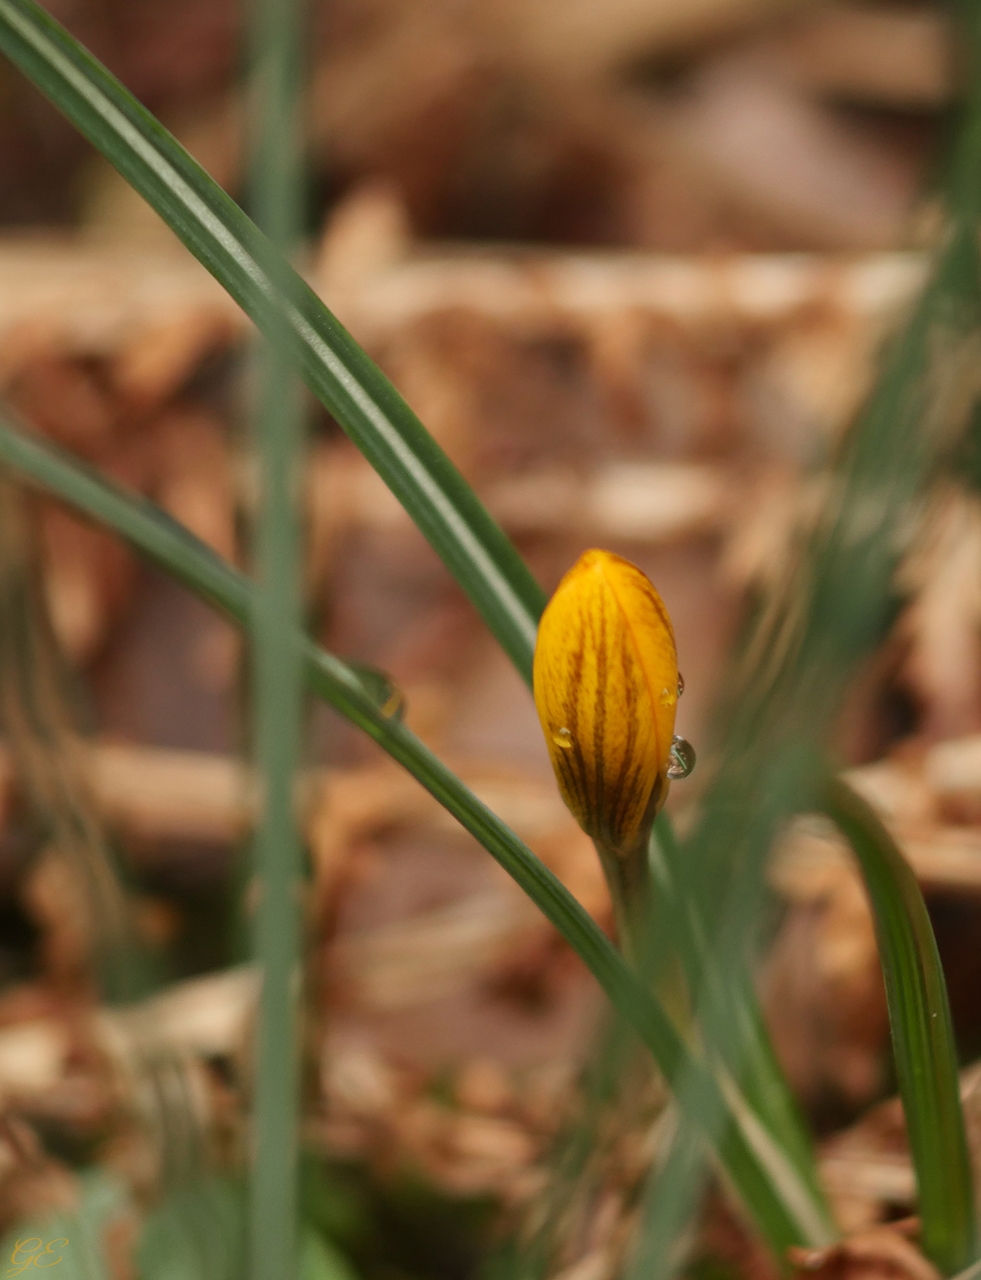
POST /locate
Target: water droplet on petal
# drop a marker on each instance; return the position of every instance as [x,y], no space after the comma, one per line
[563,738]
[681,759]
[681,684]
[668,698]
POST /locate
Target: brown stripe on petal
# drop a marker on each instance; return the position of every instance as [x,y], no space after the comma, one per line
[569,783]
[662,613]
[582,783]
[621,792]
[584,791]
[621,795]
[599,723]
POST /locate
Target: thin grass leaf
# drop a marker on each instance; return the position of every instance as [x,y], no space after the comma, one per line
[584,1157]
[922,1034]
[277,674]
[321,1261]
[675,1188]
[754,1169]
[679,1179]
[290,314]
[835,611]
[744,1043]
[39,708]
[196,1233]
[840,601]
[803,651]
[41,728]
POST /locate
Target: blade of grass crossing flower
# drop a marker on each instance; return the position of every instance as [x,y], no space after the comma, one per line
[181,554]
[277,673]
[335,368]
[699,1095]
[922,1035]
[157,536]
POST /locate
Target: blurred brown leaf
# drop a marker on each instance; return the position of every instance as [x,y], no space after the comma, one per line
[882,1253]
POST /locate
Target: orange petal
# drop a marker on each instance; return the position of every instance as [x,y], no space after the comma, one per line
[606,689]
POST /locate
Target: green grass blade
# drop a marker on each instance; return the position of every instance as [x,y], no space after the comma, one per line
[335,368]
[277,673]
[675,1188]
[198,1232]
[742,1040]
[40,719]
[179,553]
[801,656]
[803,653]
[838,609]
[843,601]
[922,1035]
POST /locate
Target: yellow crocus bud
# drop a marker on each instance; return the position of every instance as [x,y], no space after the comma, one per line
[606,688]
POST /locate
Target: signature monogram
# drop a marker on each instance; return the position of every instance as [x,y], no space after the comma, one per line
[33,1252]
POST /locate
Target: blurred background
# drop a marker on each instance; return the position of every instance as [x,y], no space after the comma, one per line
[631,264]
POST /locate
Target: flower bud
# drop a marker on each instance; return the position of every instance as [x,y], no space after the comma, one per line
[606,689]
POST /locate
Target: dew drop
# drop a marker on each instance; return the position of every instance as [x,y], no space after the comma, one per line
[681,684]
[681,759]
[563,738]
[393,708]
[382,689]
[668,698]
